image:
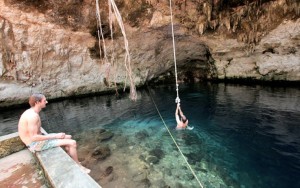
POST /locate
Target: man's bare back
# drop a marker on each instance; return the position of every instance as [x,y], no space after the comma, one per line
[24,133]
[183,122]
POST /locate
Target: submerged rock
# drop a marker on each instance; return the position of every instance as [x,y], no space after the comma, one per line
[157,152]
[193,158]
[101,152]
[160,183]
[120,141]
[145,183]
[142,135]
[179,185]
[142,179]
[105,135]
[152,160]
[106,172]
[93,137]
[141,176]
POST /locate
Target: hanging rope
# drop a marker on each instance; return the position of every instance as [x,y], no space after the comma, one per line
[185,159]
[100,32]
[112,6]
[110,18]
[133,94]
[177,100]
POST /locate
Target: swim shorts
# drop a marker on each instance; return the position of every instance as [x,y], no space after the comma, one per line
[42,145]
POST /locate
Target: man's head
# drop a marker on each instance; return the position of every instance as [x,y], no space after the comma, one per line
[37,98]
[183,119]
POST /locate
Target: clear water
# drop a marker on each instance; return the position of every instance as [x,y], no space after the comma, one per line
[243,136]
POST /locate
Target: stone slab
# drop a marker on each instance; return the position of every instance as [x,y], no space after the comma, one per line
[20,170]
[62,171]
[17,167]
[10,143]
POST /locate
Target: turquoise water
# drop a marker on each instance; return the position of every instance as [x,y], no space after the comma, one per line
[243,136]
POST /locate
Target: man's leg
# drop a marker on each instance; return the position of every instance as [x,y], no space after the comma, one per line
[72,151]
[68,136]
[67,147]
[71,147]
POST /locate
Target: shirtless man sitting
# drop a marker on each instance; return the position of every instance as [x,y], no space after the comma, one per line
[182,122]
[29,129]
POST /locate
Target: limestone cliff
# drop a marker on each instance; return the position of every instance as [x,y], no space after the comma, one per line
[52,47]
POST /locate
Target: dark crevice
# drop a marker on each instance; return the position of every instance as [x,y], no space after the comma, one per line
[270,50]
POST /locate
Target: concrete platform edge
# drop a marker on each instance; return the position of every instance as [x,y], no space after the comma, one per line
[59,168]
[10,143]
[62,171]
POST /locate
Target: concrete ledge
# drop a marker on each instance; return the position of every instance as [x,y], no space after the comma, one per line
[10,143]
[62,171]
[59,168]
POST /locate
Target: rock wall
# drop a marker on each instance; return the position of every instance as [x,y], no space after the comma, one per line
[275,57]
[51,46]
[38,56]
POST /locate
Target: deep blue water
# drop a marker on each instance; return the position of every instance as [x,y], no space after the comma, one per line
[243,136]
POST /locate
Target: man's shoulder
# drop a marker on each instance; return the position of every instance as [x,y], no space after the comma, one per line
[30,114]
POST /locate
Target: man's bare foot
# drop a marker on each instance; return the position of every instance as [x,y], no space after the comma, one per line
[86,170]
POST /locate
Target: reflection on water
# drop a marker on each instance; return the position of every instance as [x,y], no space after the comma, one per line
[243,136]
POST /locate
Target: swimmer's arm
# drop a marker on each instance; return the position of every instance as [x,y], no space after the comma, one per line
[180,112]
[176,115]
[176,112]
[177,119]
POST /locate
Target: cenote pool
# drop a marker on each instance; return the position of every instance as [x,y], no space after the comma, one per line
[243,136]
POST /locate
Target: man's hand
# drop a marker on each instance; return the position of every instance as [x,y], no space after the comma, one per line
[60,135]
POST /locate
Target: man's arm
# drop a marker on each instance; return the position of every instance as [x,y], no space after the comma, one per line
[33,130]
[43,131]
[176,112]
[180,112]
[176,115]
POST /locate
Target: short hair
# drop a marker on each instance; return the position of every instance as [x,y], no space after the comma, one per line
[36,97]
[184,120]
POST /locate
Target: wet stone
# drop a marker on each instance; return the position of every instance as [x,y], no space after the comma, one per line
[101,152]
[121,141]
[142,158]
[157,152]
[168,172]
[145,183]
[201,170]
[94,135]
[178,185]
[11,145]
[108,170]
[140,177]
[193,158]
[142,135]
[190,176]
[107,174]
[160,183]
[105,135]
[152,159]
[110,177]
